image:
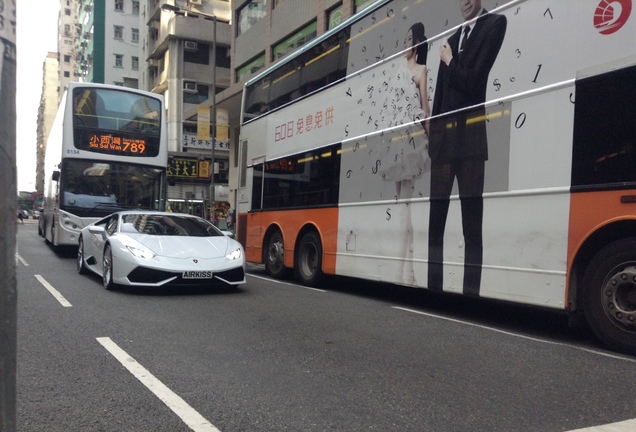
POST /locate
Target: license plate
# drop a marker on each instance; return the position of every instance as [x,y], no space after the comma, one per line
[197,274]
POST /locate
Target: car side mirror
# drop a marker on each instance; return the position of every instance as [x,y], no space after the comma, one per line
[97,230]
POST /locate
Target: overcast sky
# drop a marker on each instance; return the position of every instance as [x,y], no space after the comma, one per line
[36,36]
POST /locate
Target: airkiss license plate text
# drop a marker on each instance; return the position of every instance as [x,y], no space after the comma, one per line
[197,274]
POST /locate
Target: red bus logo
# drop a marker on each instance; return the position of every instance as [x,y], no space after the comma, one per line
[611,15]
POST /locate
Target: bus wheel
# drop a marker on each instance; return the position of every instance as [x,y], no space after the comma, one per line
[107,269]
[275,256]
[53,245]
[309,262]
[81,268]
[609,299]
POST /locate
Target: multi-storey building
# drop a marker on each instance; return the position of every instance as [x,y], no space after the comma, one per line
[187,47]
[66,45]
[108,47]
[46,113]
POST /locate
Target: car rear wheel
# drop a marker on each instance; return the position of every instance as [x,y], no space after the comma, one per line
[81,268]
[107,269]
[309,260]
[275,256]
[609,299]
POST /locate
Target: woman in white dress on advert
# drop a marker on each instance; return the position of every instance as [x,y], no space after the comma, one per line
[404,153]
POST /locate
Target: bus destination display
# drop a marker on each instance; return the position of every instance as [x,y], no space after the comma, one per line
[116,144]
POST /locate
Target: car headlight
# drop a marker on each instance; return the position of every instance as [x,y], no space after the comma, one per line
[234,255]
[141,253]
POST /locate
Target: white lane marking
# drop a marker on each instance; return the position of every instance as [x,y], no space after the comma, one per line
[189,415]
[59,297]
[602,353]
[22,260]
[286,283]
[625,426]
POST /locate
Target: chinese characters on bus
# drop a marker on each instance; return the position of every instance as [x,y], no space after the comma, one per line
[304,124]
[117,144]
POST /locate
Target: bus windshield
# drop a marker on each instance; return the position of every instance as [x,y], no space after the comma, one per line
[116,122]
[90,188]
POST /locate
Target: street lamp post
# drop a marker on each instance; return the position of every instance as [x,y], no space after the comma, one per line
[212,192]
[173,8]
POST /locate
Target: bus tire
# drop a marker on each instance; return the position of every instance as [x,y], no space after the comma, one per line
[309,260]
[107,269]
[81,267]
[275,256]
[53,245]
[609,296]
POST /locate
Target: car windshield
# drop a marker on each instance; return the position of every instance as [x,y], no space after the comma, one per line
[168,225]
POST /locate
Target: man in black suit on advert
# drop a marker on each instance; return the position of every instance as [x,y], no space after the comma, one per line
[458,144]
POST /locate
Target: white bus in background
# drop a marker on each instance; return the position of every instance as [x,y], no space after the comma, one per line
[107,151]
[341,175]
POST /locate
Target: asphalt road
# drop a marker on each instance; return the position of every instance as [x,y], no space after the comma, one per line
[273,356]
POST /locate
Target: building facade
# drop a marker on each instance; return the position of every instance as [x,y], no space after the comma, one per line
[46,113]
[187,49]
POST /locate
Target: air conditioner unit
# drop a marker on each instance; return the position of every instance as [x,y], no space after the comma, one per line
[190,45]
[196,2]
[189,87]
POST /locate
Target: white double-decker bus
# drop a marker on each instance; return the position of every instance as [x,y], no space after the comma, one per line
[107,151]
[484,148]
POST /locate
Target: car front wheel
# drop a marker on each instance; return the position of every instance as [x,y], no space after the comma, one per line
[81,268]
[107,269]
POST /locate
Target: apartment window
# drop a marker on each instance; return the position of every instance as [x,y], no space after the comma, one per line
[119,60]
[223,57]
[67,30]
[295,41]
[119,32]
[135,63]
[67,59]
[250,14]
[135,8]
[201,95]
[67,74]
[119,5]
[362,4]
[335,16]
[198,55]
[67,12]
[135,35]
[250,68]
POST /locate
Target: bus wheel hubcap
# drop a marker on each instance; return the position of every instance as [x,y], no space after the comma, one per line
[619,298]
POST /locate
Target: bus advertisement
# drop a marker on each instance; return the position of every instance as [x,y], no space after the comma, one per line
[107,151]
[484,148]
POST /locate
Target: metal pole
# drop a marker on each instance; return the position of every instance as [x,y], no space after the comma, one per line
[212,192]
[8,281]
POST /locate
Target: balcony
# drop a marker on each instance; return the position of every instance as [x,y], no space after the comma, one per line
[192,27]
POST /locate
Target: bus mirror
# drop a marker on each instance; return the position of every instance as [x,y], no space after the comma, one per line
[56,175]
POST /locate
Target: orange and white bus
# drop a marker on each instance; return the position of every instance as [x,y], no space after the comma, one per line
[107,151]
[485,148]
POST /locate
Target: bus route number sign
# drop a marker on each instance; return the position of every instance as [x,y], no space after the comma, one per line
[116,144]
